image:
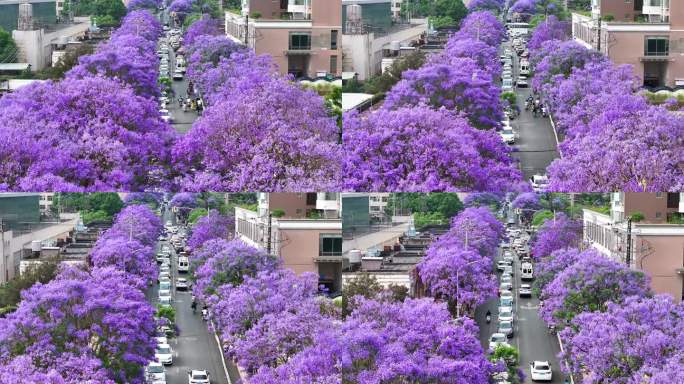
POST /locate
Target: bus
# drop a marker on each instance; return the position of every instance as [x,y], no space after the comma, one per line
[516,29]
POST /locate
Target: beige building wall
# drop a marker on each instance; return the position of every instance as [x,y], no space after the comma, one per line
[619,9]
[652,205]
[294,204]
[663,263]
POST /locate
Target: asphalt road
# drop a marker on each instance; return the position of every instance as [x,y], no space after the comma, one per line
[535,143]
[182,120]
[531,336]
[195,347]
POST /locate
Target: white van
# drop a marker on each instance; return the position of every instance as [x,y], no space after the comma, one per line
[526,271]
[525,68]
[183,264]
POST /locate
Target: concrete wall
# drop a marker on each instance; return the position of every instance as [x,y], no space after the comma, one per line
[365,51]
[294,204]
[662,264]
[621,10]
[269,9]
[653,207]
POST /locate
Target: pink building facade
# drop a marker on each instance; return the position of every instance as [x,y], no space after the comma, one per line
[647,34]
[302,36]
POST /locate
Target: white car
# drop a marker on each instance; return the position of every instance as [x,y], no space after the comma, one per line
[501,265]
[182,284]
[162,340]
[178,75]
[539,182]
[505,314]
[507,279]
[497,339]
[198,377]
[522,82]
[165,301]
[505,287]
[155,372]
[166,285]
[507,135]
[525,290]
[506,327]
[164,293]
[507,85]
[164,276]
[541,371]
[508,270]
[506,295]
[164,354]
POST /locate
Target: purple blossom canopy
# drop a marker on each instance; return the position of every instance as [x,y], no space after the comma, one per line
[462,276]
[554,234]
[144,4]
[485,56]
[153,198]
[486,5]
[460,86]
[204,26]
[212,226]
[636,341]
[137,222]
[560,58]
[106,329]
[413,341]
[184,199]
[587,286]
[524,6]
[479,199]
[550,266]
[479,226]
[275,138]
[483,26]
[421,149]
[549,29]
[88,134]
[126,255]
[222,262]
[181,6]
[140,23]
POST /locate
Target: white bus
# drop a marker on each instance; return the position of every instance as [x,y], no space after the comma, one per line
[517,29]
[526,271]
[183,264]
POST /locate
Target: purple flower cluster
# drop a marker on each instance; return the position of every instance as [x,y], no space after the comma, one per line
[486,5]
[458,266]
[589,285]
[635,341]
[557,233]
[524,6]
[212,226]
[183,199]
[204,26]
[425,138]
[96,130]
[480,199]
[401,150]
[549,29]
[181,6]
[80,327]
[614,140]
[144,4]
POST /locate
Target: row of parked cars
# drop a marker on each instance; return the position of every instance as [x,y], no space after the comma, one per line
[172,239]
[514,252]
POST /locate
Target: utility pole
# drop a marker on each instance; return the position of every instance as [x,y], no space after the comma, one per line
[628,257]
[598,44]
[268,242]
[247,30]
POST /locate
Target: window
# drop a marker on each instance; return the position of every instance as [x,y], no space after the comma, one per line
[300,41]
[330,244]
[384,199]
[659,195]
[333,39]
[311,198]
[375,208]
[656,46]
[333,64]
[658,215]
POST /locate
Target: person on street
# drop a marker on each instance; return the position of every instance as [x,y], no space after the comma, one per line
[488,316]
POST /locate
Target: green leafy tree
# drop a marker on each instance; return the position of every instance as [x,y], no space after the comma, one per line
[97,206]
[448,204]
[541,216]
[422,219]
[195,215]
[65,63]
[363,285]
[382,83]
[511,358]
[8,47]
[167,312]
[10,292]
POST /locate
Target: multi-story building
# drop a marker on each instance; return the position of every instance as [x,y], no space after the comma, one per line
[647,34]
[372,37]
[302,36]
[656,241]
[305,232]
[377,203]
[45,203]
[22,233]
[396,9]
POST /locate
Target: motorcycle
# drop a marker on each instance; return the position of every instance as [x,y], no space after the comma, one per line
[488,317]
[205,314]
[545,112]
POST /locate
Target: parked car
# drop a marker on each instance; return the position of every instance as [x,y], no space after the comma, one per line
[505,287]
[505,314]
[507,135]
[155,372]
[541,371]
[182,284]
[506,327]
[525,290]
[198,377]
[506,295]
[166,301]
[164,354]
[497,339]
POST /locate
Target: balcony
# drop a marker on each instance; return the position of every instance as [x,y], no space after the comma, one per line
[327,201]
[300,7]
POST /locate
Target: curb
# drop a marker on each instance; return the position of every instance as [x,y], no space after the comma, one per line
[560,343]
[223,358]
[555,135]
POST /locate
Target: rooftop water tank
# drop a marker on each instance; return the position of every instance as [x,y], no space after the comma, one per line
[355,256]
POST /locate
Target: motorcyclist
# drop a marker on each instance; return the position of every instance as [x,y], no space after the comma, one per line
[488,316]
